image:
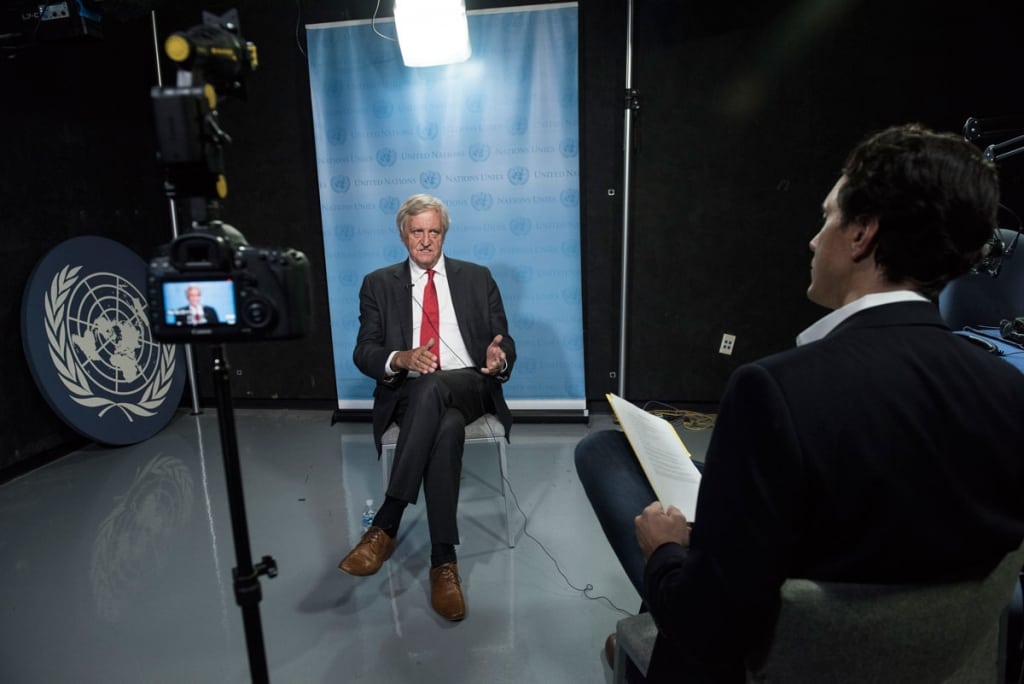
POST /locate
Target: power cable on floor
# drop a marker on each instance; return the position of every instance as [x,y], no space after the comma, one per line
[526,519]
[583,590]
[694,421]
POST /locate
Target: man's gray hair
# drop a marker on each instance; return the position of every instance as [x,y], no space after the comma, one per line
[417,204]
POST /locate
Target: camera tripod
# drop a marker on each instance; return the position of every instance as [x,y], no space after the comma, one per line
[246,575]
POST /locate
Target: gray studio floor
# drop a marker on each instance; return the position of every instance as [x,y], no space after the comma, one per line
[117,563]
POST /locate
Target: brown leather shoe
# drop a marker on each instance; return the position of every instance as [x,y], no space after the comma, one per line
[446,592]
[369,554]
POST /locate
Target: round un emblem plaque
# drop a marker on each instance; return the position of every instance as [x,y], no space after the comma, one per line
[86,334]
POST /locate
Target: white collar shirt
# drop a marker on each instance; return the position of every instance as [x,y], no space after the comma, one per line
[823,326]
[453,352]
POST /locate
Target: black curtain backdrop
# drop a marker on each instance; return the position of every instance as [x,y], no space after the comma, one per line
[746,111]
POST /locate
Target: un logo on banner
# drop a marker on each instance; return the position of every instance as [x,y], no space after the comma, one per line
[483,251]
[520,226]
[517,126]
[518,175]
[389,205]
[393,252]
[430,180]
[569,147]
[569,198]
[479,152]
[87,338]
[386,156]
[428,131]
[481,201]
[337,136]
[340,183]
[475,103]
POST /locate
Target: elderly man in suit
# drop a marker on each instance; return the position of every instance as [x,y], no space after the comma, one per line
[882,449]
[433,334]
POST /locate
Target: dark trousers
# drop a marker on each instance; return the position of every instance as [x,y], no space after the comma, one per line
[433,411]
[618,491]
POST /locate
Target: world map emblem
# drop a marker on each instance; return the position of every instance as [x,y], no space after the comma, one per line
[87,338]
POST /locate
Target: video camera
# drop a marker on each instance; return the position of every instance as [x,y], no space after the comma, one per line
[209,284]
[209,287]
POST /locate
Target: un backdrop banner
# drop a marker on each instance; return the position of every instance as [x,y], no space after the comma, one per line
[496,138]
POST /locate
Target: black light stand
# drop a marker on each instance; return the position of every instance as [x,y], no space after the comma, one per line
[246,575]
[632,107]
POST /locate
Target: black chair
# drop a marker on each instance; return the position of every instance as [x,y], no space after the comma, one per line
[983,299]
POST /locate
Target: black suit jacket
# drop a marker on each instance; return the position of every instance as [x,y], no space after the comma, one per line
[889,451]
[385,325]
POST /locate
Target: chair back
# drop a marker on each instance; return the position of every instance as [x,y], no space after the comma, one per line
[841,632]
[981,299]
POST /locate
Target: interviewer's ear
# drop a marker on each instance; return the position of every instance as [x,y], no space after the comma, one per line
[862,238]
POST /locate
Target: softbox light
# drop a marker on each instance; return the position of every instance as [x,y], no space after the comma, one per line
[432,32]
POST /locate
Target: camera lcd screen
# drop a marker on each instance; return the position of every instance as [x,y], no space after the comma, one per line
[200,303]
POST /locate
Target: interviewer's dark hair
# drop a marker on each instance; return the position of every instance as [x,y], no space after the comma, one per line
[935,198]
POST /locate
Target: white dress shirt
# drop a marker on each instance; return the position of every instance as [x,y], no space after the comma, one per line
[452,350]
[827,323]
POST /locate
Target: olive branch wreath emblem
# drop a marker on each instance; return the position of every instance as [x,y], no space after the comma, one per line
[74,378]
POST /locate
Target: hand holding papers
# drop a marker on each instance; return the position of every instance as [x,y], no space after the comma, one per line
[662,455]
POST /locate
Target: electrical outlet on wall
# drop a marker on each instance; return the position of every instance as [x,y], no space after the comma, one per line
[728,342]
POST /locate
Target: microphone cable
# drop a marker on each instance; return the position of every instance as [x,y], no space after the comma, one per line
[585,590]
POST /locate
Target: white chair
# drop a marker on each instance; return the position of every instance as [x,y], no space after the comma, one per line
[851,633]
[484,430]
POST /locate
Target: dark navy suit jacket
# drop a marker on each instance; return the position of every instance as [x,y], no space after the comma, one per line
[385,325]
[889,451]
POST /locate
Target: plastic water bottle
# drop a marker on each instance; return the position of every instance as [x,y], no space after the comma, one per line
[368,515]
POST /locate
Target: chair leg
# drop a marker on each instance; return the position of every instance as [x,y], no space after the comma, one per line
[503,472]
[386,454]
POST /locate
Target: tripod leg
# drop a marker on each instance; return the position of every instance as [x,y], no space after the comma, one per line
[246,577]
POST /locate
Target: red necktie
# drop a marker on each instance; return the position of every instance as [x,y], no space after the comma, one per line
[429,326]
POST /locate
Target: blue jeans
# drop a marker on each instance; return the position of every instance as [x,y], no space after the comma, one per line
[618,490]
